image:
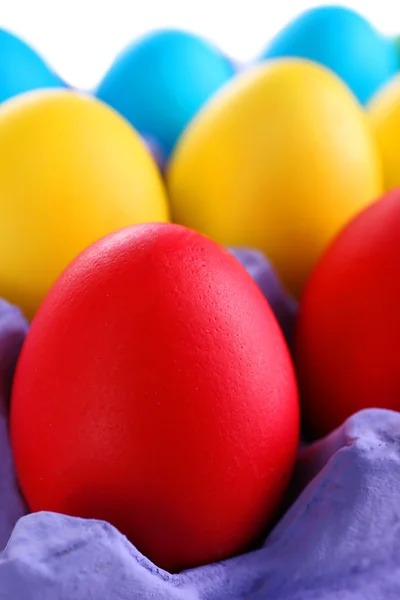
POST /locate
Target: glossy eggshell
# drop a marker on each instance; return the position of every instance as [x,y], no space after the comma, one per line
[22,69]
[348,329]
[343,40]
[279,160]
[71,171]
[155,391]
[160,81]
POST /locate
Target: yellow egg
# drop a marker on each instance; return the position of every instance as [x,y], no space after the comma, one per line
[384,112]
[280,160]
[71,171]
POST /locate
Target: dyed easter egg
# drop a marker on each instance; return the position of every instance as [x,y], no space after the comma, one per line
[160,82]
[22,69]
[155,391]
[279,161]
[342,40]
[396,41]
[384,114]
[71,171]
[348,331]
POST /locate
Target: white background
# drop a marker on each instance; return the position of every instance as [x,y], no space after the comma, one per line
[80,38]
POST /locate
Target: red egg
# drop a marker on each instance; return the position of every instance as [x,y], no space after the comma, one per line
[347,348]
[155,391]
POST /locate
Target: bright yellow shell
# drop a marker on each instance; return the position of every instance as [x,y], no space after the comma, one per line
[71,171]
[279,160]
[384,112]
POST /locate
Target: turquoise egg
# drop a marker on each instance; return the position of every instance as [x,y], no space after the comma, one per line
[22,69]
[160,82]
[342,40]
[396,41]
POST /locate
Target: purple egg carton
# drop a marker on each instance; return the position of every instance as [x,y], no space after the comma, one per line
[156,152]
[282,304]
[339,540]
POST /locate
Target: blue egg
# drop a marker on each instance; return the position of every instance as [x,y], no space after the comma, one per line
[22,69]
[159,83]
[343,41]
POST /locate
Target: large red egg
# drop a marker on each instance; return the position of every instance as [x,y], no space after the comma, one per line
[155,391]
[347,346]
